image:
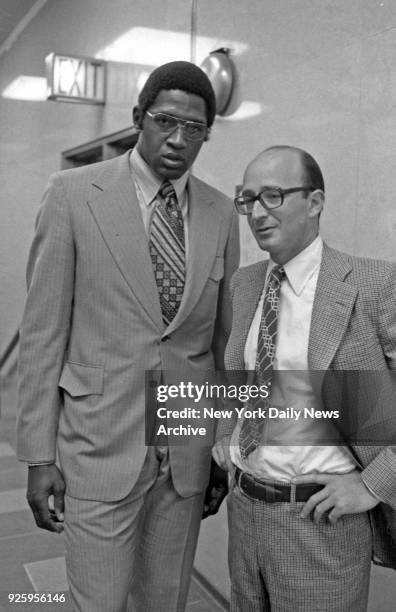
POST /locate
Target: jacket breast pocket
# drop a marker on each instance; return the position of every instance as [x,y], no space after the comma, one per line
[80,379]
[217,271]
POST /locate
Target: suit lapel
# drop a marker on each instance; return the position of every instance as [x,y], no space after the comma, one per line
[204,226]
[117,214]
[246,298]
[332,308]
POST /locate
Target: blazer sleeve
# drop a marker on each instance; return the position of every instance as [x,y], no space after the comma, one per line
[45,326]
[224,308]
[387,316]
[380,474]
[226,426]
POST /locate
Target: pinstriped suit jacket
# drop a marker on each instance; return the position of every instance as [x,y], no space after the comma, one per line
[92,327]
[353,327]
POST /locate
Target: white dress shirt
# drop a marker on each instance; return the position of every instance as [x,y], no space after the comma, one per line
[293,389]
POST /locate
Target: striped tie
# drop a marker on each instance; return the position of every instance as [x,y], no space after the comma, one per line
[167,251]
[251,431]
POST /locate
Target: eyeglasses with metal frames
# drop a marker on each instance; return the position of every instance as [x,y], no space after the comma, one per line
[193,130]
[269,198]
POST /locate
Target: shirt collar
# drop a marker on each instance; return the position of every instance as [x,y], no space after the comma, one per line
[300,268]
[149,183]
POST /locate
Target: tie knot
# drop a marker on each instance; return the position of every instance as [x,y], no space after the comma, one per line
[167,191]
[278,273]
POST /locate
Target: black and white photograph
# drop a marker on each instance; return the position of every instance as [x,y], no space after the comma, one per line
[198,306]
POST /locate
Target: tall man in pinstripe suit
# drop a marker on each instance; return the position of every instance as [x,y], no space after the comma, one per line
[95,323]
[310,504]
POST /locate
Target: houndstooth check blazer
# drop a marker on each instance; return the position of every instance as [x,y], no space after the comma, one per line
[353,328]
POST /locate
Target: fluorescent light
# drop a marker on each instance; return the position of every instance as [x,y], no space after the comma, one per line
[26,88]
[152,47]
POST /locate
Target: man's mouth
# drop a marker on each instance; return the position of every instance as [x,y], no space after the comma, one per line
[173,160]
[264,229]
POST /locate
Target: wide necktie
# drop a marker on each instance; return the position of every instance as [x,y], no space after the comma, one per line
[251,430]
[167,251]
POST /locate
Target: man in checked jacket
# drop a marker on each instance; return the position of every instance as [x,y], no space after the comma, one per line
[312,501]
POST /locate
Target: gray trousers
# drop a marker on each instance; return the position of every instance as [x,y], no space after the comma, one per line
[282,563]
[135,554]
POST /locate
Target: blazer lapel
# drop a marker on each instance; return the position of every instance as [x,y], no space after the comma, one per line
[116,211]
[246,298]
[332,308]
[204,226]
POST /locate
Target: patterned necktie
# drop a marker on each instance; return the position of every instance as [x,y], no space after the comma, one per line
[251,431]
[167,251]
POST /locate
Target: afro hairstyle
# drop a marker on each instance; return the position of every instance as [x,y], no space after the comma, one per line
[179,75]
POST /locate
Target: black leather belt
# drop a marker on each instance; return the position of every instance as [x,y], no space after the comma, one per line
[270,492]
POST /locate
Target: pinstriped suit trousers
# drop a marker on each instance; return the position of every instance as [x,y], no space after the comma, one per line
[282,563]
[136,554]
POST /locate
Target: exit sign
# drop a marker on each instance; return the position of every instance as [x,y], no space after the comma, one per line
[75,79]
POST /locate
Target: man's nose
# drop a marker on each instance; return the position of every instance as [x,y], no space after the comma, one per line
[177,137]
[258,210]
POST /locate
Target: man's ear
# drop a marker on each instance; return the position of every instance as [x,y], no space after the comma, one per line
[138,115]
[316,202]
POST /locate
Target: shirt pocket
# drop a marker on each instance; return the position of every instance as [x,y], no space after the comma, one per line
[79,379]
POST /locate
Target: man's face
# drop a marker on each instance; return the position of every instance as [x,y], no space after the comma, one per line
[170,155]
[287,230]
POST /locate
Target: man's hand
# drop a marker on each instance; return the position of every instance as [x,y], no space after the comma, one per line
[342,494]
[221,453]
[45,481]
[216,490]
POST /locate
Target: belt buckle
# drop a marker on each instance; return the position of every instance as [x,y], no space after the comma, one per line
[245,493]
[270,489]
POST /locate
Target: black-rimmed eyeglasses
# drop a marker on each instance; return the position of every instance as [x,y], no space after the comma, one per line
[193,130]
[269,198]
